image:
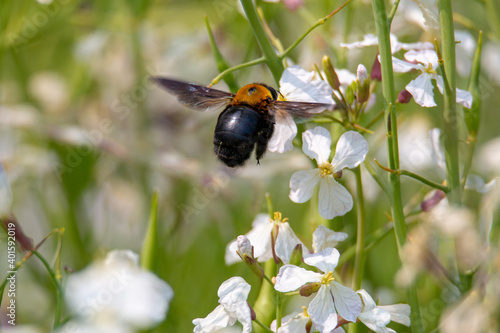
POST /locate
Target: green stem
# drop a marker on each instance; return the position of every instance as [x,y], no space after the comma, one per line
[237,67]
[273,61]
[317,24]
[450,129]
[393,12]
[493,15]
[59,293]
[264,306]
[264,327]
[360,233]
[425,181]
[383,31]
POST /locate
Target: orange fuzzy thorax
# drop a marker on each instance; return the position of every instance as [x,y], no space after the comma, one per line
[254,95]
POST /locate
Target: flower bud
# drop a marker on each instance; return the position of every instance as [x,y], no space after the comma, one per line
[244,247]
[361,73]
[376,73]
[330,74]
[296,255]
[404,96]
[349,93]
[430,203]
[363,87]
[309,289]
[253,316]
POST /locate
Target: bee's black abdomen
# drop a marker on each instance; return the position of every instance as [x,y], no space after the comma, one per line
[238,129]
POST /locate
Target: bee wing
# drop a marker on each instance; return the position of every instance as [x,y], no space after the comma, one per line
[299,109]
[285,128]
[194,96]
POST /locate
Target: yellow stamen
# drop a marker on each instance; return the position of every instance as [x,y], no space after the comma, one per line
[306,314]
[278,218]
[325,169]
[328,278]
[429,69]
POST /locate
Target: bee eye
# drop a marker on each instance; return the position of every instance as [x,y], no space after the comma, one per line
[252,90]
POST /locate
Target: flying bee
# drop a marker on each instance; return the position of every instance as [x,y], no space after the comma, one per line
[248,118]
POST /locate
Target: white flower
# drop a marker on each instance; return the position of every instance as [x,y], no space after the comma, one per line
[293,323]
[261,238]
[5,193]
[117,292]
[233,294]
[376,317]
[324,238]
[370,40]
[299,85]
[331,297]
[421,88]
[334,200]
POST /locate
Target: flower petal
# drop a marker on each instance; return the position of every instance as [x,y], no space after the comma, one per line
[400,313]
[368,301]
[401,66]
[350,151]
[260,238]
[291,277]
[244,316]
[437,151]
[297,84]
[216,320]
[325,260]
[463,96]
[368,40]
[232,292]
[421,90]
[322,310]
[334,199]
[283,134]
[302,185]
[5,193]
[316,144]
[347,301]
[376,319]
[324,238]
[425,57]
[286,242]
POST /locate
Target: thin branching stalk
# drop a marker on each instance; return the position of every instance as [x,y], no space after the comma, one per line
[273,61]
[450,127]
[360,233]
[383,32]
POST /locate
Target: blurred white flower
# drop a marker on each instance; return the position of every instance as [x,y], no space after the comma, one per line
[334,199]
[233,294]
[370,40]
[376,317]
[421,88]
[294,323]
[115,294]
[324,238]
[5,193]
[50,89]
[261,237]
[299,85]
[466,46]
[331,296]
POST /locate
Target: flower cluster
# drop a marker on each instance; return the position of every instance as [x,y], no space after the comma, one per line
[333,304]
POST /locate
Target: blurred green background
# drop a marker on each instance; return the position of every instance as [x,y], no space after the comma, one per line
[86,139]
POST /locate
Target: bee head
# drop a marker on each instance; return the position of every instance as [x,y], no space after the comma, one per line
[255,95]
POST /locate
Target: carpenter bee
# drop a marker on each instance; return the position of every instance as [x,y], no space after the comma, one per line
[248,118]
